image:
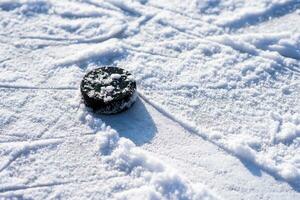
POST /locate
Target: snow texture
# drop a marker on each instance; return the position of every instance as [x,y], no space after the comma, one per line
[227,71]
[153,179]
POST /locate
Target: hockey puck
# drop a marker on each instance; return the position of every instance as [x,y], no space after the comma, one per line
[108,90]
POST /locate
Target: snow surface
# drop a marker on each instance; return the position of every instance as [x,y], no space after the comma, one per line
[227,71]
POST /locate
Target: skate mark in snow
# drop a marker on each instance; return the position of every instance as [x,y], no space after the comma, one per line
[104,52]
[286,45]
[24,148]
[47,138]
[49,127]
[97,4]
[114,33]
[242,152]
[194,18]
[11,188]
[188,34]
[252,17]
[2,61]
[21,87]
[132,49]
[126,9]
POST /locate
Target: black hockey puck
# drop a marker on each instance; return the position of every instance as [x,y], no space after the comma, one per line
[108,90]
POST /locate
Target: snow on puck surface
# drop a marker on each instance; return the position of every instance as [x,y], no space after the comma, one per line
[108,90]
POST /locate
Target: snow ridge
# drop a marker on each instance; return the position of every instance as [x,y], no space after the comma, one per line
[248,16]
[155,180]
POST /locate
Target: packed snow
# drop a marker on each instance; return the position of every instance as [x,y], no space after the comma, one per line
[213,76]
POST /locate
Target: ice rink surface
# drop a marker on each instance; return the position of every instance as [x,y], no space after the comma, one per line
[218,113]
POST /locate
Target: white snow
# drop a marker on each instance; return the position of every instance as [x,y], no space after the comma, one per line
[109,88]
[107,50]
[108,98]
[115,76]
[287,127]
[153,179]
[219,99]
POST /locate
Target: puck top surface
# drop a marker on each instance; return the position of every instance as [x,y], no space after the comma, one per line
[107,85]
